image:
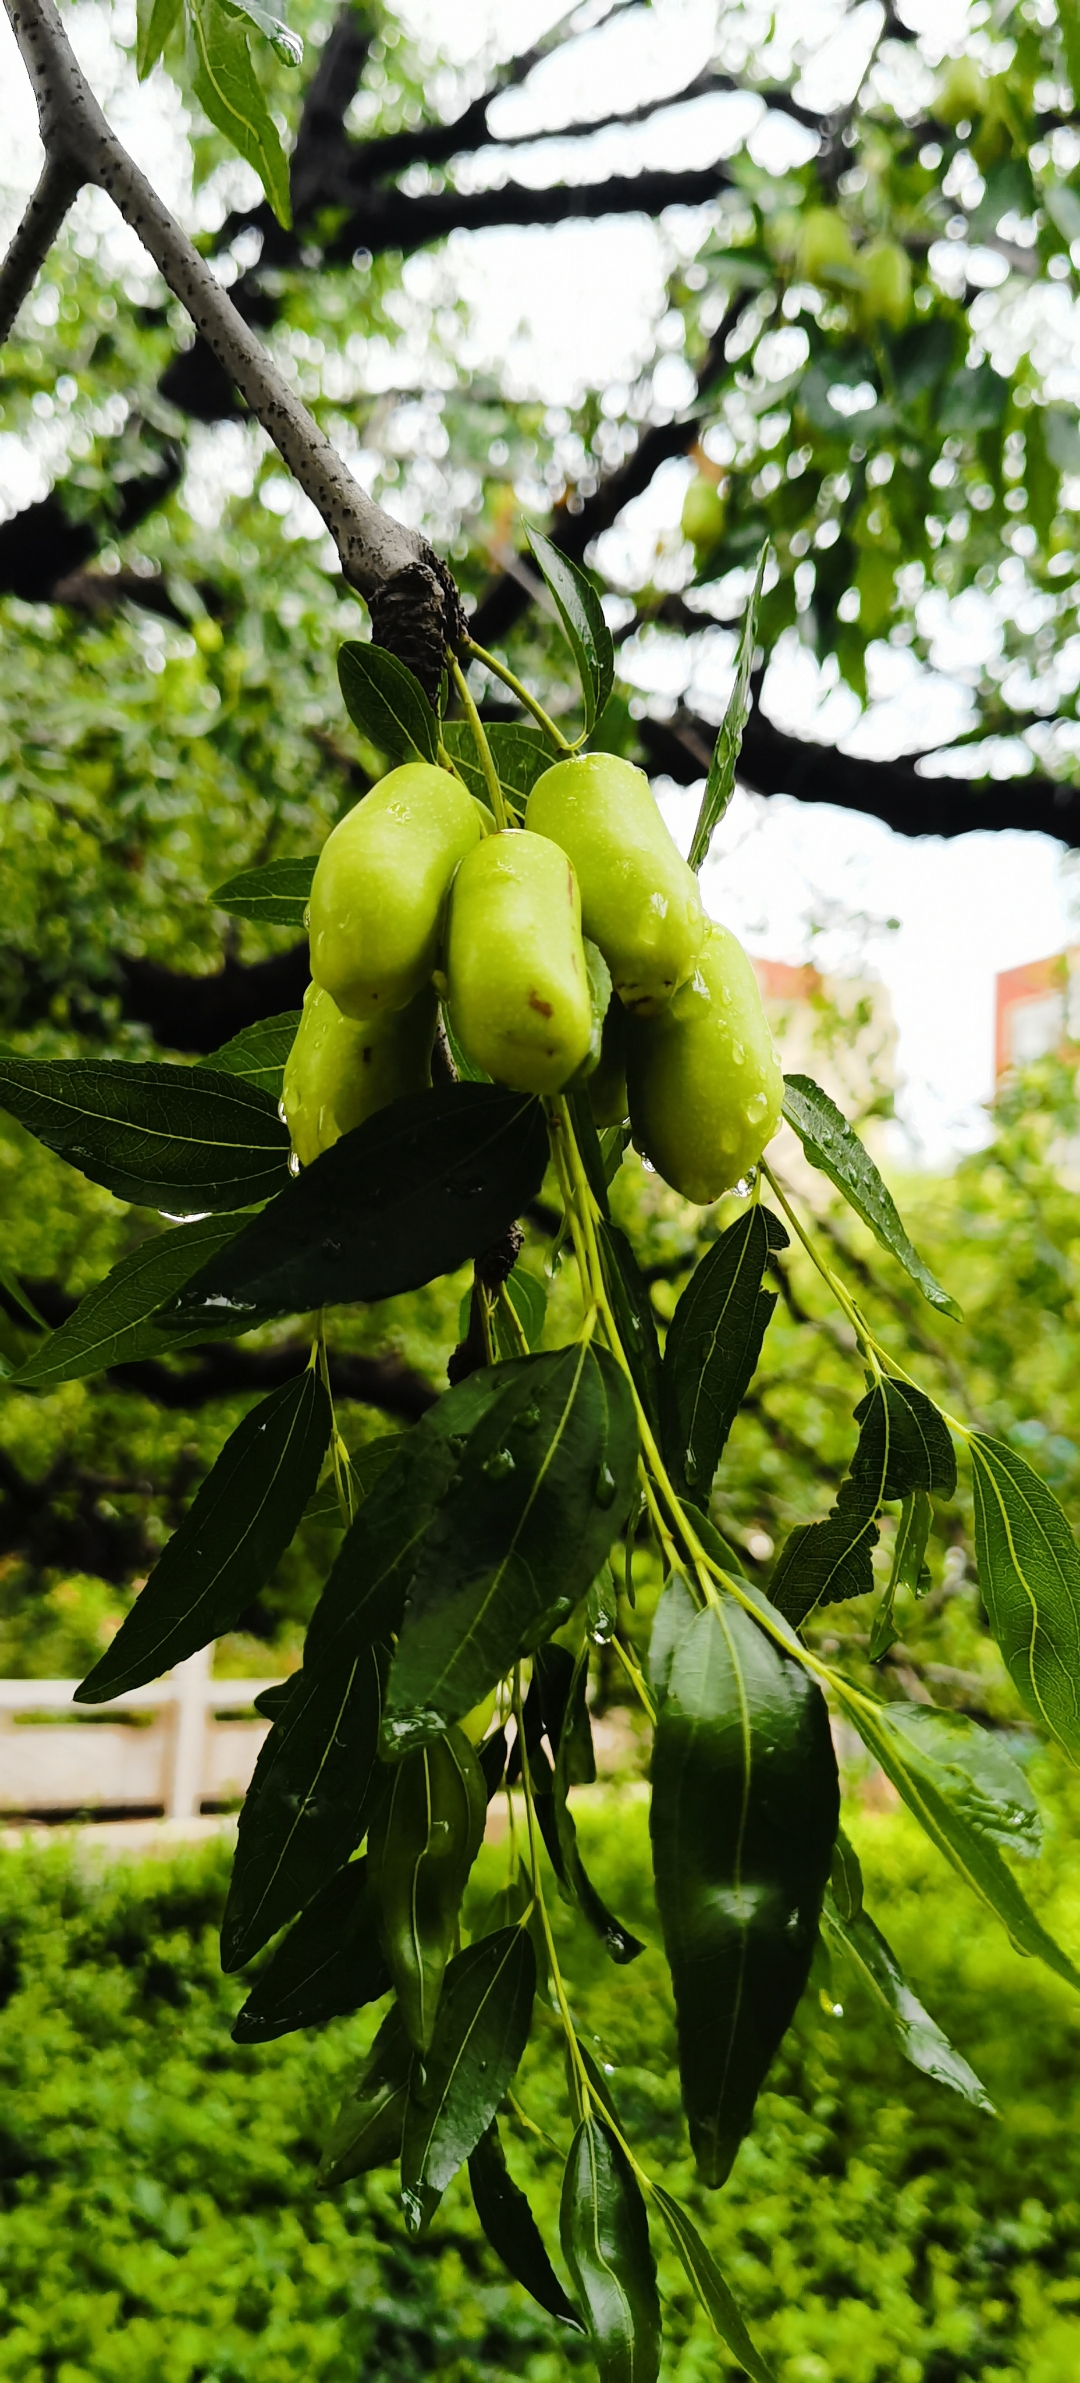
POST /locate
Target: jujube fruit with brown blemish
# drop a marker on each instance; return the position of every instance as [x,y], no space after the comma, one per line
[516,980]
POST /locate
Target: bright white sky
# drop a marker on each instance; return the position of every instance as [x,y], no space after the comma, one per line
[556,309]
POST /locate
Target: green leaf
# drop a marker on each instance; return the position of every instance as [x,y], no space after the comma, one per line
[566,1856]
[465,1068]
[226,1548]
[984,1781]
[1069,20]
[287,46]
[745,1804]
[542,1486]
[386,703]
[716,2296]
[410,1194]
[528,1298]
[114,1324]
[909,1549]
[1029,1576]
[581,613]
[512,2231]
[259,1053]
[164,1137]
[276,895]
[834,1148]
[485,2011]
[226,87]
[633,1312]
[364,1466]
[605,2241]
[307,1807]
[713,1345]
[329,1964]
[424,1840]
[155,21]
[903,1446]
[521,755]
[845,1878]
[920,2038]
[720,783]
[943,1808]
[366,2133]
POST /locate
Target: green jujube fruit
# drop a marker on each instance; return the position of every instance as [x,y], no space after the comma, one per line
[703,1078]
[639,900]
[516,979]
[607,1085]
[379,891]
[340,1070]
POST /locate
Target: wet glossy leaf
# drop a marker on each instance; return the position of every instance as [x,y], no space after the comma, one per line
[386,703]
[512,2231]
[920,2038]
[720,783]
[114,1324]
[745,1804]
[176,1138]
[481,2031]
[582,617]
[225,84]
[713,1345]
[715,2295]
[605,2242]
[424,1839]
[942,1805]
[832,1145]
[1029,1576]
[366,2133]
[276,895]
[985,1782]
[288,46]
[330,1963]
[411,1194]
[260,1052]
[226,1548]
[543,1484]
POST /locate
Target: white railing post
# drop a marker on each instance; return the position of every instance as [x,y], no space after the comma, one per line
[190,1681]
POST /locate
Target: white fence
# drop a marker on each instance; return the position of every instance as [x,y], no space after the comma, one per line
[190,1750]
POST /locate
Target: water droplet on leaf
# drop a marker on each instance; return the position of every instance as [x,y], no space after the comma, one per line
[294,1163]
[498,1464]
[604,1486]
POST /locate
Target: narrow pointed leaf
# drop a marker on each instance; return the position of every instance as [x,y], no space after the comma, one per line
[543,1484]
[113,1324]
[20,1299]
[288,46]
[227,87]
[481,2031]
[985,1783]
[566,1854]
[833,1146]
[276,895]
[745,1805]
[605,2242]
[633,1313]
[720,783]
[308,1804]
[410,1194]
[716,2296]
[528,1298]
[920,2038]
[845,1878]
[260,1052]
[903,1446]
[155,20]
[386,703]
[177,1138]
[424,1839]
[713,1346]
[1029,1576]
[366,2133]
[512,2231]
[909,1549]
[330,1963]
[226,1548]
[582,617]
[931,1792]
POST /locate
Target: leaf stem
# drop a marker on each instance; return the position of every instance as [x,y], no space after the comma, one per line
[500,670]
[862,1332]
[491,775]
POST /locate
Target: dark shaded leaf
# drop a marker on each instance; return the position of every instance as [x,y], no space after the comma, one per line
[528,1298]
[909,1549]
[832,1146]
[409,1195]
[1029,1576]
[845,1878]
[713,1346]
[745,1805]
[903,1446]
[720,783]
[13,1289]
[543,1484]
[605,2242]
[582,617]
[178,1138]
[512,2231]
[920,2038]
[277,895]
[260,1052]
[114,1324]
[225,1549]
[424,1839]
[632,1309]
[365,1467]
[387,704]
[330,1963]
[521,755]
[716,2297]
[574,1738]
[366,2133]
[482,2028]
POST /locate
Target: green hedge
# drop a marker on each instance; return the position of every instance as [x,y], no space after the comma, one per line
[159,2218]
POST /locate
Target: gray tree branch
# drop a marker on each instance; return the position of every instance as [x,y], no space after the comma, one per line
[34,238]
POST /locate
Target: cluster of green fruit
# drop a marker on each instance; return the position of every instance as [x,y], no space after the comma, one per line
[572,950]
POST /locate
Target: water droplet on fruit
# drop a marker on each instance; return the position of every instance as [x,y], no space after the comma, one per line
[307,914]
[498,1464]
[756,1107]
[281,1110]
[738,1055]
[604,1486]
[294,1163]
